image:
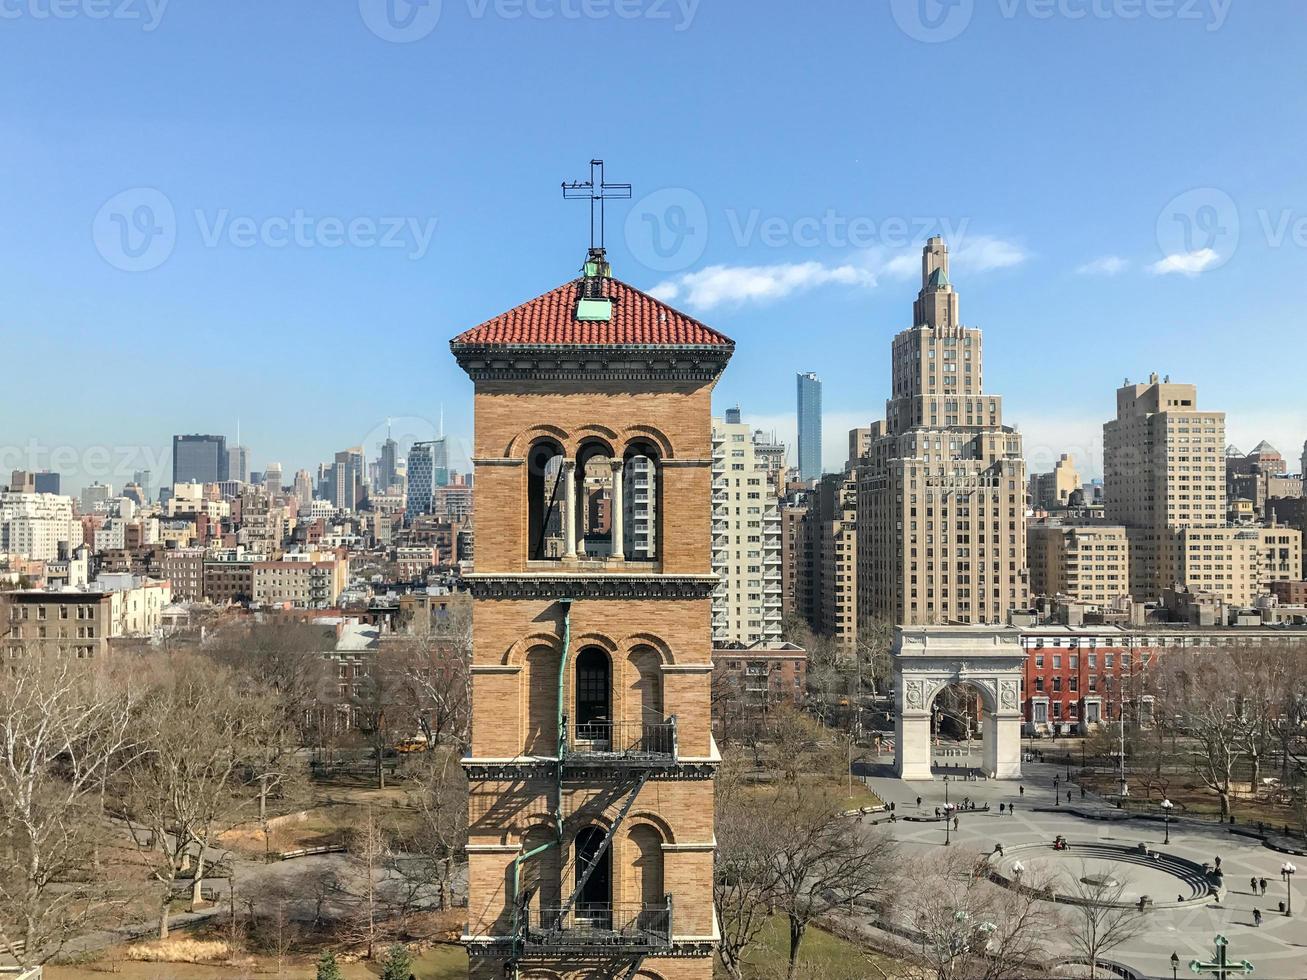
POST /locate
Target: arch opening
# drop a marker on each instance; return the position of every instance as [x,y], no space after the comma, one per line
[642,500]
[546,493]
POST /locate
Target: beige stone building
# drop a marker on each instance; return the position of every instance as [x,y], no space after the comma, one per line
[1239,563]
[590,841]
[941,492]
[1165,478]
[1052,490]
[835,558]
[71,624]
[746,535]
[1089,564]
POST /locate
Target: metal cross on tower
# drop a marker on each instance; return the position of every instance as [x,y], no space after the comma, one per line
[597,190]
[1221,968]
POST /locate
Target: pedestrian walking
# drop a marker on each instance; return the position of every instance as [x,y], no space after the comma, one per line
[1218,862]
[1253,883]
[1011,809]
[1068,796]
[1262,882]
[936,813]
[918,802]
[1082,792]
[1001,807]
[1021,790]
[955,823]
[1257,918]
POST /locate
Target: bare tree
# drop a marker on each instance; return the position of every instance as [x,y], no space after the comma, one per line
[967,928]
[369,853]
[64,726]
[823,861]
[179,794]
[285,657]
[1199,692]
[1101,918]
[439,795]
[744,874]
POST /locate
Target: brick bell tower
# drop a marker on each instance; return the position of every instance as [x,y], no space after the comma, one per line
[592,760]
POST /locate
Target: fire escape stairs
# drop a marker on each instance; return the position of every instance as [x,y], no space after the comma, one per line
[588,867]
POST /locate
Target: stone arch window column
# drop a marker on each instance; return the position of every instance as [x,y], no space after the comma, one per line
[617,502]
[571,525]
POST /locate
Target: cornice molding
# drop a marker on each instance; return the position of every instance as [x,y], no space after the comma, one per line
[614,586]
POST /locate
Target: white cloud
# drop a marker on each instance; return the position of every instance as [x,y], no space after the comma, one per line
[1108,265]
[985,253]
[722,285]
[1186,263]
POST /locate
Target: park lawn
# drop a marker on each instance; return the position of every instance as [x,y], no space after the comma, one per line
[438,963]
[821,955]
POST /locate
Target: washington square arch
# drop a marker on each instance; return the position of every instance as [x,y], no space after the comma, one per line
[986,659]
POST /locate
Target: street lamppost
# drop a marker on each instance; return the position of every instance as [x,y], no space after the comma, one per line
[948,823]
[1175,965]
[1287,872]
[1057,796]
[1167,805]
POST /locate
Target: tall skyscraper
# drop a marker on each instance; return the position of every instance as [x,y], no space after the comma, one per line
[1303,463]
[809,407]
[746,535]
[304,487]
[238,464]
[47,482]
[346,479]
[421,479]
[387,474]
[199,459]
[145,480]
[941,492]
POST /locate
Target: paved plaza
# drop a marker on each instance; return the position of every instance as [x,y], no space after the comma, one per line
[1278,949]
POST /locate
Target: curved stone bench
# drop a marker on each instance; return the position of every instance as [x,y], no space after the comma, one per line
[1188,873]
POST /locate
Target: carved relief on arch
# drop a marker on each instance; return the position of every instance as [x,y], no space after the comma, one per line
[521,443]
[515,655]
[656,643]
[634,434]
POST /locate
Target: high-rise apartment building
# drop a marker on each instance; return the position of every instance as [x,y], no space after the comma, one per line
[38,525]
[591,765]
[746,535]
[95,497]
[1253,479]
[272,477]
[199,459]
[1163,472]
[809,411]
[1089,563]
[834,519]
[1053,490]
[798,571]
[941,492]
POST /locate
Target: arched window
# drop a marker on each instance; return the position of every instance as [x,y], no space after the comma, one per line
[644,884]
[595,903]
[595,499]
[594,711]
[641,501]
[545,499]
[542,702]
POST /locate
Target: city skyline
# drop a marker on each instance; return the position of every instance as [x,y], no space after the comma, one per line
[1068,256]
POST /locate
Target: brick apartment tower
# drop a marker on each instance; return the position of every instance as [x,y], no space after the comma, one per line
[592,759]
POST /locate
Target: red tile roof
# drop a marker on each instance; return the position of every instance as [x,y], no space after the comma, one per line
[637,319]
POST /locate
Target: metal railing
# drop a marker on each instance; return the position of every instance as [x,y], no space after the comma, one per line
[645,925]
[623,741]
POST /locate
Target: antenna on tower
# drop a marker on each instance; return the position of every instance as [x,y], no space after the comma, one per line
[597,190]
[442,420]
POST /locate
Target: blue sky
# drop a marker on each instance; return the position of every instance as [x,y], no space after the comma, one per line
[281,211]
